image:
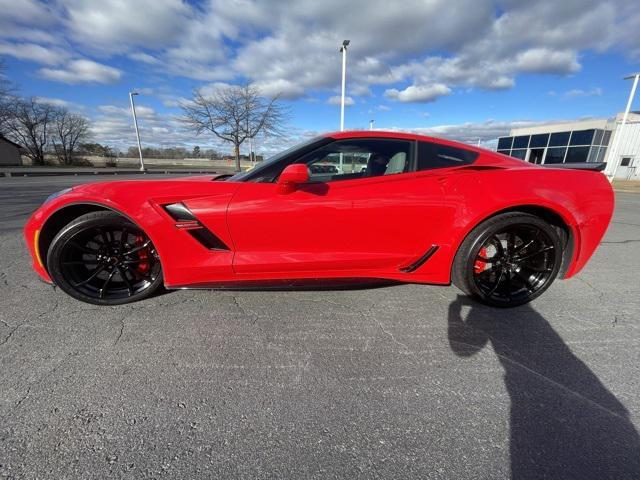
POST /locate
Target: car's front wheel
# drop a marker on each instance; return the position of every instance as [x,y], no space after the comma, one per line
[508,260]
[104,259]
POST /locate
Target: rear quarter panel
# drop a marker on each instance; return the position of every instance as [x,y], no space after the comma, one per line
[583,199]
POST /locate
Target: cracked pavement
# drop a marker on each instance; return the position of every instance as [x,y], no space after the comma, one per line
[403,381]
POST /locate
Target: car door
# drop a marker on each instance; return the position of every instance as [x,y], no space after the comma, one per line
[373,215]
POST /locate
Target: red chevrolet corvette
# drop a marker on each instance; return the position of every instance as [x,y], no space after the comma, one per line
[343,207]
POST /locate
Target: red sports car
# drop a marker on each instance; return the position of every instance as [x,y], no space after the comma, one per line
[343,207]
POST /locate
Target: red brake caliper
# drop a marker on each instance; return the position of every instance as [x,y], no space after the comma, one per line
[480,266]
[143,254]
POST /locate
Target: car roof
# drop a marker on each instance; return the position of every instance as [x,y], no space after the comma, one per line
[398,135]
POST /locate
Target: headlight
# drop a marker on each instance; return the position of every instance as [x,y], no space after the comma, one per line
[57,194]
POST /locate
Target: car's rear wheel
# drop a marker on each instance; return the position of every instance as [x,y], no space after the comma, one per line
[508,260]
[104,259]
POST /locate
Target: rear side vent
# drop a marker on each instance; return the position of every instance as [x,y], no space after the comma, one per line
[186,220]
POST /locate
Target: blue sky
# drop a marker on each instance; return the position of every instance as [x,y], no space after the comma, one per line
[465,69]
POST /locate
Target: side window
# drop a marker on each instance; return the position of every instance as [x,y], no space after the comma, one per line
[435,155]
[357,158]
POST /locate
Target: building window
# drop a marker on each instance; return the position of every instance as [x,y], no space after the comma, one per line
[555,155]
[601,153]
[559,139]
[504,143]
[504,152]
[539,141]
[597,139]
[593,154]
[577,154]
[625,162]
[521,154]
[521,141]
[582,137]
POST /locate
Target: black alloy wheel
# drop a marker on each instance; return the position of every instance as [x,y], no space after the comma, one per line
[105,259]
[508,260]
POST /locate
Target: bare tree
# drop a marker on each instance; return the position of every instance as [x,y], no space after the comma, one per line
[28,124]
[69,129]
[6,91]
[234,114]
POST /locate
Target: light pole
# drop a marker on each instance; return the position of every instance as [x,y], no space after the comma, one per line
[135,124]
[613,154]
[343,50]
[371,124]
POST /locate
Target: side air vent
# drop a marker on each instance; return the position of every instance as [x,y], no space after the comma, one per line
[186,220]
[208,239]
[179,212]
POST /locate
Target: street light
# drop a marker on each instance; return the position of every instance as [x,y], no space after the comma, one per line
[343,50]
[135,124]
[616,139]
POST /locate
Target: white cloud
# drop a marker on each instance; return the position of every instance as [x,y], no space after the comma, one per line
[116,25]
[82,71]
[25,11]
[144,58]
[141,111]
[34,53]
[471,132]
[58,102]
[418,93]
[291,48]
[337,100]
[594,92]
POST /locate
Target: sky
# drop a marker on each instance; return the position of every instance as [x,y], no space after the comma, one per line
[464,69]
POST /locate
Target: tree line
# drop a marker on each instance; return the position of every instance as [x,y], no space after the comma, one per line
[234,114]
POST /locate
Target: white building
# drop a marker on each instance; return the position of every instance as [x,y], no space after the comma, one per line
[580,141]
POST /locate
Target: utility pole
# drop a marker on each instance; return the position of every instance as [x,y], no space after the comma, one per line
[135,124]
[343,50]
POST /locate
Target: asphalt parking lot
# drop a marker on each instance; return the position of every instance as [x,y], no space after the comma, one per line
[394,382]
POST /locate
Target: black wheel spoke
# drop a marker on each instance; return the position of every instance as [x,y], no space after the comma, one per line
[138,248]
[103,290]
[536,253]
[80,262]
[510,243]
[123,274]
[93,275]
[123,237]
[497,284]
[526,279]
[84,249]
[105,241]
[539,269]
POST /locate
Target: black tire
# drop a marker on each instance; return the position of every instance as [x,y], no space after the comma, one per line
[521,258]
[104,259]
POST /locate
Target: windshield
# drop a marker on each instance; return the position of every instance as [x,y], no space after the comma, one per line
[241,176]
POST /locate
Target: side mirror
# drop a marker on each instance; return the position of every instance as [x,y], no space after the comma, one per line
[292,176]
